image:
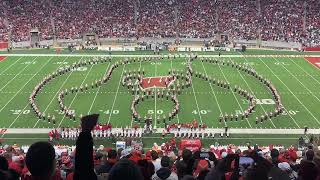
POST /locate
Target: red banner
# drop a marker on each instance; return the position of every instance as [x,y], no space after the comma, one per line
[192,144]
[312,48]
[3,45]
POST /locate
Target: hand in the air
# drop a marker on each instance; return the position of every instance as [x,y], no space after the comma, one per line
[89,122]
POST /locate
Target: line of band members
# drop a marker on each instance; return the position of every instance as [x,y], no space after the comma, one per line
[73,133]
[189,133]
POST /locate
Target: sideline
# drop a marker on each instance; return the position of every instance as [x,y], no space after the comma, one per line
[159,130]
[163,55]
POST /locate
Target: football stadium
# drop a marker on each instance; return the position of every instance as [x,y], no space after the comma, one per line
[160,89]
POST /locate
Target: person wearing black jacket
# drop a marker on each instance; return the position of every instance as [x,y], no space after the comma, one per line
[84,167]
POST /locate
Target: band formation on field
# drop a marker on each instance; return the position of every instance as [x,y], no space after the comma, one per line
[167,88]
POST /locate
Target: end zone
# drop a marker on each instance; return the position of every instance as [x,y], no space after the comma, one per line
[315,61]
[2,58]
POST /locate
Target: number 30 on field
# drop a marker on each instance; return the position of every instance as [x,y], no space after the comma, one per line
[19,111]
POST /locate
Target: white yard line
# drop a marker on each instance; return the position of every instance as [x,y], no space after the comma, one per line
[305,71]
[15,94]
[177,113]
[298,80]
[10,66]
[55,94]
[74,98]
[155,98]
[18,74]
[95,97]
[290,91]
[115,98]
[194,94]
[214,94]
[233,93]
[136,92]
[295,122]
[28,102]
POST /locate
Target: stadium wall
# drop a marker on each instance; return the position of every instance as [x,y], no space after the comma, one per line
[4,45]
[185,43]
[271,44]
[311,48]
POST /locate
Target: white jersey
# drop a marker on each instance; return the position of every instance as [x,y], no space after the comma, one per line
[70,134]
[62,134]
[74,133]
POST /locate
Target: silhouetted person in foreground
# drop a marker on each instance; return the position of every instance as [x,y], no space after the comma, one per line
[40,161]
[84,167]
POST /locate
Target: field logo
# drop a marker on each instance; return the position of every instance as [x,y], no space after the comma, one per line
[158,82]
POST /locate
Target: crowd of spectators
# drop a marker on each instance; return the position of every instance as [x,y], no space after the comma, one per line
[44,161]
[3,34]
[156,18]
[110,18]
[197,19]
[313,23]
[238,19]
[278,20]
[24,16]
[282,20]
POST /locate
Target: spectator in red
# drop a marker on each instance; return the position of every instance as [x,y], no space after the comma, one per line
[201,170]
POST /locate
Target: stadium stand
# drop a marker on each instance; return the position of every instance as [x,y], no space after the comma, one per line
[313,24]
[273,20]
[168,161]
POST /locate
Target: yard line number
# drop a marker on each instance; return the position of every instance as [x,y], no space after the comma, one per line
[203,111]
[260,101]
[108,111]
[29,62]
[80,69]
[61,62]
[19,111]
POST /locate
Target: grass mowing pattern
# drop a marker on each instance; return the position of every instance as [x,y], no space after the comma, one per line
[297,81]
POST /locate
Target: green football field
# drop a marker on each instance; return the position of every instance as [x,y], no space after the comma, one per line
[297,80]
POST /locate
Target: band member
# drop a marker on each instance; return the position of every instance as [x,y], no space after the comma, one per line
[53,119]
